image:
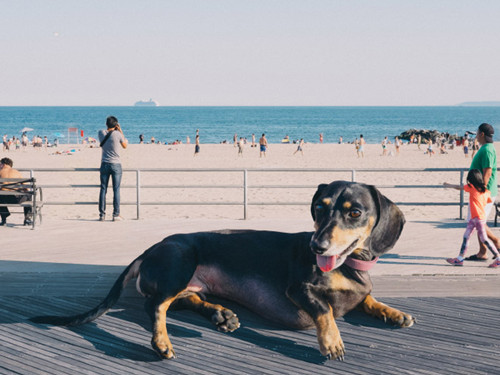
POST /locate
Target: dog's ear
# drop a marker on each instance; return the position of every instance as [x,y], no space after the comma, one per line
[321,187]
[390,222]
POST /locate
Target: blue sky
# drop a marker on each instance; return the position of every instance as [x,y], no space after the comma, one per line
[203,52]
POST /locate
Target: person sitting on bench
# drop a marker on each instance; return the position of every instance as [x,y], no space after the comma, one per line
[6,171]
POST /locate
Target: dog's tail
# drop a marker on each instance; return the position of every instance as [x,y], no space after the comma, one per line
[114,294]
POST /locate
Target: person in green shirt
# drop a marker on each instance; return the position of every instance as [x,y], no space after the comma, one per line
[486,161]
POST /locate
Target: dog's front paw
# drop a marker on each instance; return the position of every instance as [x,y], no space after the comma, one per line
[163,349]
[225,320]
[332,348]
[401,319]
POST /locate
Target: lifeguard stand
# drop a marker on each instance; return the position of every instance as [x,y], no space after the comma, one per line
[73,136]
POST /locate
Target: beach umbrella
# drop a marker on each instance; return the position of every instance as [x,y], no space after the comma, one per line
[26,130]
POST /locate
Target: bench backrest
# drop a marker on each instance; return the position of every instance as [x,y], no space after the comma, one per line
[17,186]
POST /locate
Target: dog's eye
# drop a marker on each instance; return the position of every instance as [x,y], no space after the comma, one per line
[355,213]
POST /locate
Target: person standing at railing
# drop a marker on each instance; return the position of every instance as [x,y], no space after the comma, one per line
[112,139]
[486,161]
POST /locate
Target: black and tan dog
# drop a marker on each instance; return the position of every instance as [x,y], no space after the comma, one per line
[301,280]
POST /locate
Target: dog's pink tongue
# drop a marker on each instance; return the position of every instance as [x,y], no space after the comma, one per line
[326,264]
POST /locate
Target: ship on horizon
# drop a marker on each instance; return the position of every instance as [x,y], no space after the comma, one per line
[146,103]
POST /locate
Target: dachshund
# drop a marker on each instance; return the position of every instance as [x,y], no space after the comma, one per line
[299,280]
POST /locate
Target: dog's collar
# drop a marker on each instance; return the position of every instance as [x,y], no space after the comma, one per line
[360,265]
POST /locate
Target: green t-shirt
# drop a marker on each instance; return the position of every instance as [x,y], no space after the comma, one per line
[486,157]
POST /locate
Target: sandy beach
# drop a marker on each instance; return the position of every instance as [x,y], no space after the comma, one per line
[72,234]
[225,156]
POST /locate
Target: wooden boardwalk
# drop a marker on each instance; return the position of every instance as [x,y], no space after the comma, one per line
[452,336]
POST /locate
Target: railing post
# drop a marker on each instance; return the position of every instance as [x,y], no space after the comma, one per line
[461,194]
[138,191]
[353,175]
[245,193]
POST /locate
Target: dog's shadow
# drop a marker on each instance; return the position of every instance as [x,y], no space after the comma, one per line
[254,330]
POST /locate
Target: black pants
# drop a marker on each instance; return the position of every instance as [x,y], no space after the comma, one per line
[7,199]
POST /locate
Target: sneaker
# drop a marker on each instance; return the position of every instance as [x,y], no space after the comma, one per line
[118,218]
[102,218]
[455,261]
[495,264]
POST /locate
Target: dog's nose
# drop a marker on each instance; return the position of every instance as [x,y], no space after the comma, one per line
[319,247]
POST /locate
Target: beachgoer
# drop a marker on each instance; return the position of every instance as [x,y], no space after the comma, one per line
[320,137]
[356,146]
[430,151]
[486,161]
[419,140]
[188,140]
[475,147]
[141,139]
[196,144]
[300,147]
[341,140]
[253,141]
[384,146]
[397,144]
[263,145]
[479,197]
[6,171]
[466,147]
[240,146]
[235,140]
[111,139]
[361,150]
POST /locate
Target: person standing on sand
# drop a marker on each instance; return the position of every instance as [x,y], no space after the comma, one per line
[263,145]
[397,144]
[361,150]
[320,137]
[466,147]
[253,141]
[111,139]
[486,161]
[240,147]
[197,144]
[384,146]
[300,147]
[419,140]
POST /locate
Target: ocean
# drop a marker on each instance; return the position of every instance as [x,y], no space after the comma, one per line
[217,124]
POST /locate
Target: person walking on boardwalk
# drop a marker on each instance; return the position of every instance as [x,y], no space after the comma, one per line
[486,161]
[112,140]
[479,197]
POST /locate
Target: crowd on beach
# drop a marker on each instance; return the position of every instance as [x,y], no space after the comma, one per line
[16,143]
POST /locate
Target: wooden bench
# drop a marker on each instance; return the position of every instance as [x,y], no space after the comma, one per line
[20,187]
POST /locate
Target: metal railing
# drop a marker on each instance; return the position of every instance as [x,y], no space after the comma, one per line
[245,185]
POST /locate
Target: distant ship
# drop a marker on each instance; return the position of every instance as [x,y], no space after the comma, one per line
[144,103]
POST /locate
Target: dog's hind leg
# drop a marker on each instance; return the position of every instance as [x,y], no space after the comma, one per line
[160,342]
[224,319]
[379,310]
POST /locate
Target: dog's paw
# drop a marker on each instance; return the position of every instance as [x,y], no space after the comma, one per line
[225,320]
[403,320]
[164,350]
[333,348]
